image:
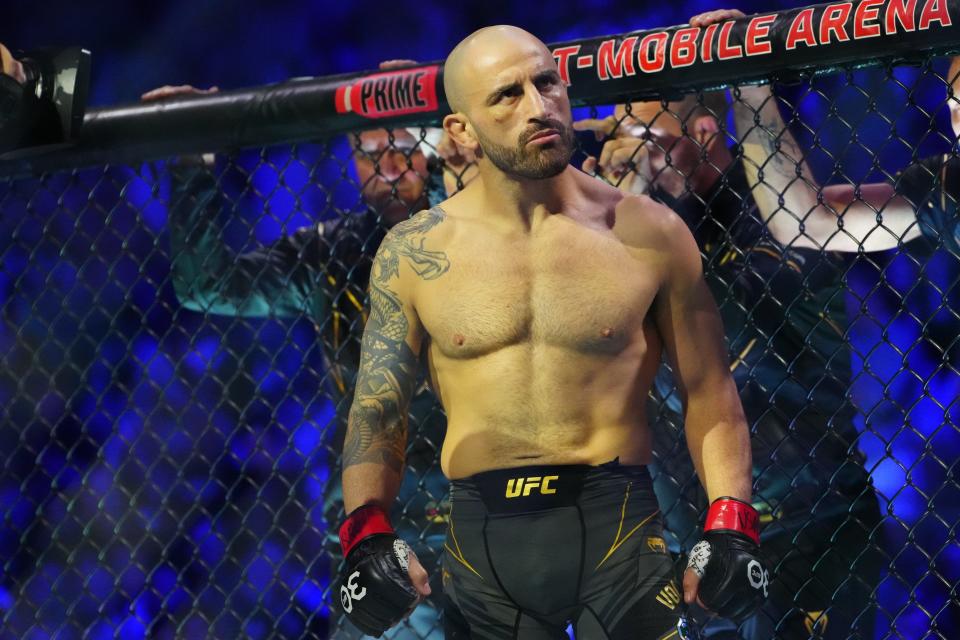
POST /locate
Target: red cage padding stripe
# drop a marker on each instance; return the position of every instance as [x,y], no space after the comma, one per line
[364,521]
[733,515]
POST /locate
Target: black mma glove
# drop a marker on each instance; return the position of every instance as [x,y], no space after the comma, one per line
[733,576]
[375,588]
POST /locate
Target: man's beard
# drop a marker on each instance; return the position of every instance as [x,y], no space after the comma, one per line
[532,162]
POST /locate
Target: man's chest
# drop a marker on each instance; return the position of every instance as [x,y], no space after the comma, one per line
[585,292]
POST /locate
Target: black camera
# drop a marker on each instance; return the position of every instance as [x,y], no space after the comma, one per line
[48,108]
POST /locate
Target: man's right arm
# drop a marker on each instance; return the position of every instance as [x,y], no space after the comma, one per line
[382,580]
[375,445]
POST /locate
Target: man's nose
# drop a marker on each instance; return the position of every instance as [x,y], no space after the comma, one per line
[536,106]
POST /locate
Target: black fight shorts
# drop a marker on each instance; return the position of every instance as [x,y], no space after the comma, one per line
[533,549]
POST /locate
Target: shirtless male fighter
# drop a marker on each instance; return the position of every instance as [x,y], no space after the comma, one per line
[541,299]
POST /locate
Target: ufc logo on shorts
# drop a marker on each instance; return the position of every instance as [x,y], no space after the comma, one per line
[758,576]
[351,592]
[518,486]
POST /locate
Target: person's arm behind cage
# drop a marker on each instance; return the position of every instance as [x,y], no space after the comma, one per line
[284,279]
[797,210]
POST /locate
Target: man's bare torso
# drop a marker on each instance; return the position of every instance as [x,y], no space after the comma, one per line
[539,342]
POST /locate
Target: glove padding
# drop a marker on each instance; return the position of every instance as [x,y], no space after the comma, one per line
[733,576]
[375,589]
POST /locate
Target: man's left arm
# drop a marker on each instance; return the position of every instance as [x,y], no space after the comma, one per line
[725,571]
[689,323]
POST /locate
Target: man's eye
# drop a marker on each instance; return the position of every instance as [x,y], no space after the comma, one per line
[546,83]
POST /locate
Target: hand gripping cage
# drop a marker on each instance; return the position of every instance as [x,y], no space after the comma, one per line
[179,336]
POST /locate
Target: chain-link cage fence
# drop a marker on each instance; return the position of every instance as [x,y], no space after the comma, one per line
[180,340]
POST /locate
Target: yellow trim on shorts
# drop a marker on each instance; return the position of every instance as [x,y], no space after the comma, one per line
[458,554]
[617,541]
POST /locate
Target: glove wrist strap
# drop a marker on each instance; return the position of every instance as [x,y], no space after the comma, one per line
[364,521]
[732,514]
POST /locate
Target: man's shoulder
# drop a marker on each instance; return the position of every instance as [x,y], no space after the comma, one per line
[415,242]
[419,223]
[421,232]
[642,222]
[657,235]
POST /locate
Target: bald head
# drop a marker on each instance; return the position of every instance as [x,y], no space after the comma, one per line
[509,104]
[482,52]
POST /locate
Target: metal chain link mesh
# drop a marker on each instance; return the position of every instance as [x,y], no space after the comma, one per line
[179,342]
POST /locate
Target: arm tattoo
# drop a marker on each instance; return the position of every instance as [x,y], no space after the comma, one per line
[377,428]
[763,123]
[775,165]
[781,148]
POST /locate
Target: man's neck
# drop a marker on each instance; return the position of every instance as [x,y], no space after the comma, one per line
[524,202]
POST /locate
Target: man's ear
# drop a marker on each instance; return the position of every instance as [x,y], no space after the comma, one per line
[706,130]
[461,131]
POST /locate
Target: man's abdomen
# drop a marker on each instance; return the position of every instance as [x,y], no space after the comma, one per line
[544,404]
